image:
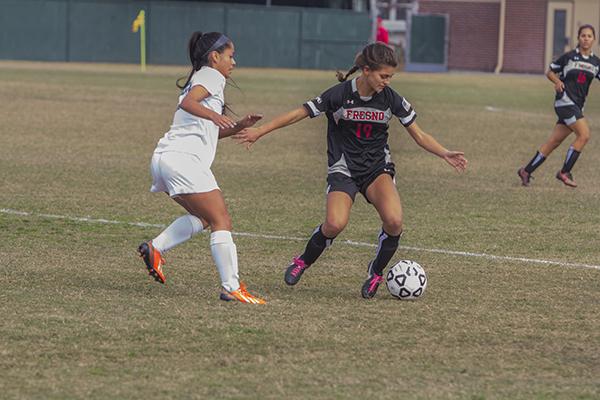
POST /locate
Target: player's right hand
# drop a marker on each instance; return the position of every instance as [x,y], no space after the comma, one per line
[456,159]
[559,86]
[247,136]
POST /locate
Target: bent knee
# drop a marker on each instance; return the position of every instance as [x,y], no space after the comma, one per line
[393,225]
[333,227]
[584,137]
[582,133]
[221,223]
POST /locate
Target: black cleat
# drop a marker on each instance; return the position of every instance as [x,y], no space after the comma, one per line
[369,288]
[294,271]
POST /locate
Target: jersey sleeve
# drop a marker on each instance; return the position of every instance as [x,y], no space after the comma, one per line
[402,109]
[329,100]
[210,79]
[558,65]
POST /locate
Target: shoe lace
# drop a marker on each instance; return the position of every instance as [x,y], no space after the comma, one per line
[300,266]
[375,281]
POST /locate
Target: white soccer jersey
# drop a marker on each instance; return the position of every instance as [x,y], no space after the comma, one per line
[192,134]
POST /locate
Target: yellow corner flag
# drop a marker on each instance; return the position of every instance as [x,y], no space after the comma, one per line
[139,21]
[139,24]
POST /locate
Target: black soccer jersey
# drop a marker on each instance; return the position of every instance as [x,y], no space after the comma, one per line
[357,129]
[577,72]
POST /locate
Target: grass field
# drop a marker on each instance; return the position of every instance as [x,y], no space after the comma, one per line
[81,319]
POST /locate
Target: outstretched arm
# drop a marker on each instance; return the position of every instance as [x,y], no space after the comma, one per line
[251,135]
[248,121]
[455,158]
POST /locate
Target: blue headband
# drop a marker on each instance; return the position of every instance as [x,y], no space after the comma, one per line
[222,40]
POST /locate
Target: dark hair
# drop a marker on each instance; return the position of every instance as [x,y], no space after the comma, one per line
[586,26]
[374,56]
[199,48]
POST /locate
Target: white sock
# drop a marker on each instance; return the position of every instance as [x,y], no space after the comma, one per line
[181,230]
[224,253]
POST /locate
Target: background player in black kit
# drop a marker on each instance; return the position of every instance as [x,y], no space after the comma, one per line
[572,75]
[359,160]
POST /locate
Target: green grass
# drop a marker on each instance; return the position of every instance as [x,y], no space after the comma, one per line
[81,319]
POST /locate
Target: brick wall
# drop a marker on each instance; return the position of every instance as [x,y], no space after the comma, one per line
[525,36]
[473,32]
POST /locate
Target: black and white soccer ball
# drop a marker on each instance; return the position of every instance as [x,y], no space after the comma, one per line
[406,280]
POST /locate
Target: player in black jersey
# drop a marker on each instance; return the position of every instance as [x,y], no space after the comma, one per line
[359,159]
[572,75]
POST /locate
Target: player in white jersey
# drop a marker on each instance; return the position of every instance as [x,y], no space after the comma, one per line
[572,74]
[182,159]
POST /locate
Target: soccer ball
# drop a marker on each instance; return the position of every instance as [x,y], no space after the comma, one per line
[406,280]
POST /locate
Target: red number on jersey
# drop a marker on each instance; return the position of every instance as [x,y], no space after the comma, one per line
[364,128]
[581,79]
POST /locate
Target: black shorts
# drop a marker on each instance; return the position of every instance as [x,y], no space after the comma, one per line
[338,182]
[568,115]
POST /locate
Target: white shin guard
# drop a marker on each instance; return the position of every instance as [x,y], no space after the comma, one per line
[180,230]
[224,253]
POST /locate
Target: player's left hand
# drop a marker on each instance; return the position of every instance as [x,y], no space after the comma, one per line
[456,159]
[249,120]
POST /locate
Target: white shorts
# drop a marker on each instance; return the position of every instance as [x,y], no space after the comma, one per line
[180,173]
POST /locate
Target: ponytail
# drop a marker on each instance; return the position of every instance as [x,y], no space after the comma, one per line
[342,78]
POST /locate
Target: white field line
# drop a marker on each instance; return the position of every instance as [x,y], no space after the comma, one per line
[291,238]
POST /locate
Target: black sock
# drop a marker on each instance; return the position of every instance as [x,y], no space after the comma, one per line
[570,159]
[385,251]
[535,162]
[315,246]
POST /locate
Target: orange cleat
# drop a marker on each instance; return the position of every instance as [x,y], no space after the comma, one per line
[242,295]
[153,259]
